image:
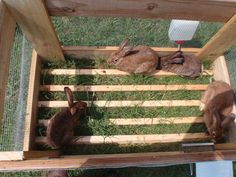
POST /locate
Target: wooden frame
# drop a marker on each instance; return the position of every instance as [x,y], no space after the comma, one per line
[7,31]
[31,159]
[47,46]
[34,21]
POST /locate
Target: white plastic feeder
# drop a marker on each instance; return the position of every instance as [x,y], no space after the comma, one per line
[182,30]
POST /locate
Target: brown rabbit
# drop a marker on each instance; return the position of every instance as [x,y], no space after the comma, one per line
[180,64]
[217,105]
[57,173]
[138,59]
[61,126]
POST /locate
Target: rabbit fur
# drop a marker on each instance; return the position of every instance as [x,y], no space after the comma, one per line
[137,60]
[57,173]
[61,126]
[181,64]
[217,105]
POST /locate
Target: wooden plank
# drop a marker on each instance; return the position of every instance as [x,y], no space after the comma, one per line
[11,155]
[146,121]
[225,146]
[122,88]
[7,30]
[104,72]
[35,23]
[214,10]
[118,160]
[41,154]
[31,109]
[91,52]
[134,139]
[220,42]
[154,121]
[221,73]
[121,103]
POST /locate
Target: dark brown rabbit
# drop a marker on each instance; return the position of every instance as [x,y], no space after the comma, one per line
[61,126]
[138,59]
[57,173]
[217,105]
[181,64]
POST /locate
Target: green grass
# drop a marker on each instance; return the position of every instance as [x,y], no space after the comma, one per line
[93,31]
[124,80]
[135,112]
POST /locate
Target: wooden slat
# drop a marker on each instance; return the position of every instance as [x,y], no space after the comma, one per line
[11,155]
[91,52]
[118,160]
[214,10]
[153,121]
[31,109]
[225,146]
[134,139]
[155,103]
[122,88]
[221,73]
[220,42]
[41,154]
[104,72]
[36,25]
[7,29]
[146,121]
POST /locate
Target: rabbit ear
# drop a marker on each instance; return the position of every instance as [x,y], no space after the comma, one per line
[123,44]
[69,96]
[226,122]
[127,51]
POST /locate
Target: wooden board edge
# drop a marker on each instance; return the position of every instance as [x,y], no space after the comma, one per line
[134,139]
[220,72]
[32,100]
[92,52]
[125,103]
[220,10]
[11,155]
[153,159]
[41,154]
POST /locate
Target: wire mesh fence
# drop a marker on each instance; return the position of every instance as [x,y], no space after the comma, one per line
[230,57]
[15,98]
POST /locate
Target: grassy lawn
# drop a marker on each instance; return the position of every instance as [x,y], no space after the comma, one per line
[111,31]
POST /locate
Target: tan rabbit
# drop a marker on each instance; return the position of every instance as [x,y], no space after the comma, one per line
[61,126]
[180,64]
[217,105]
[57,173]
[138,59]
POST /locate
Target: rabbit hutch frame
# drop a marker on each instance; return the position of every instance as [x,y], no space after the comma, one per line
[33,18]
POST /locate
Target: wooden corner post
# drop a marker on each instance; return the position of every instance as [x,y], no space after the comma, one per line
[7,30]
[220,42]
[35,23]
[32,100]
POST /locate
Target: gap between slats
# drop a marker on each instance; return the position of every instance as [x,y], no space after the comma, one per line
[134,139]
[121,103]
[145,121]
